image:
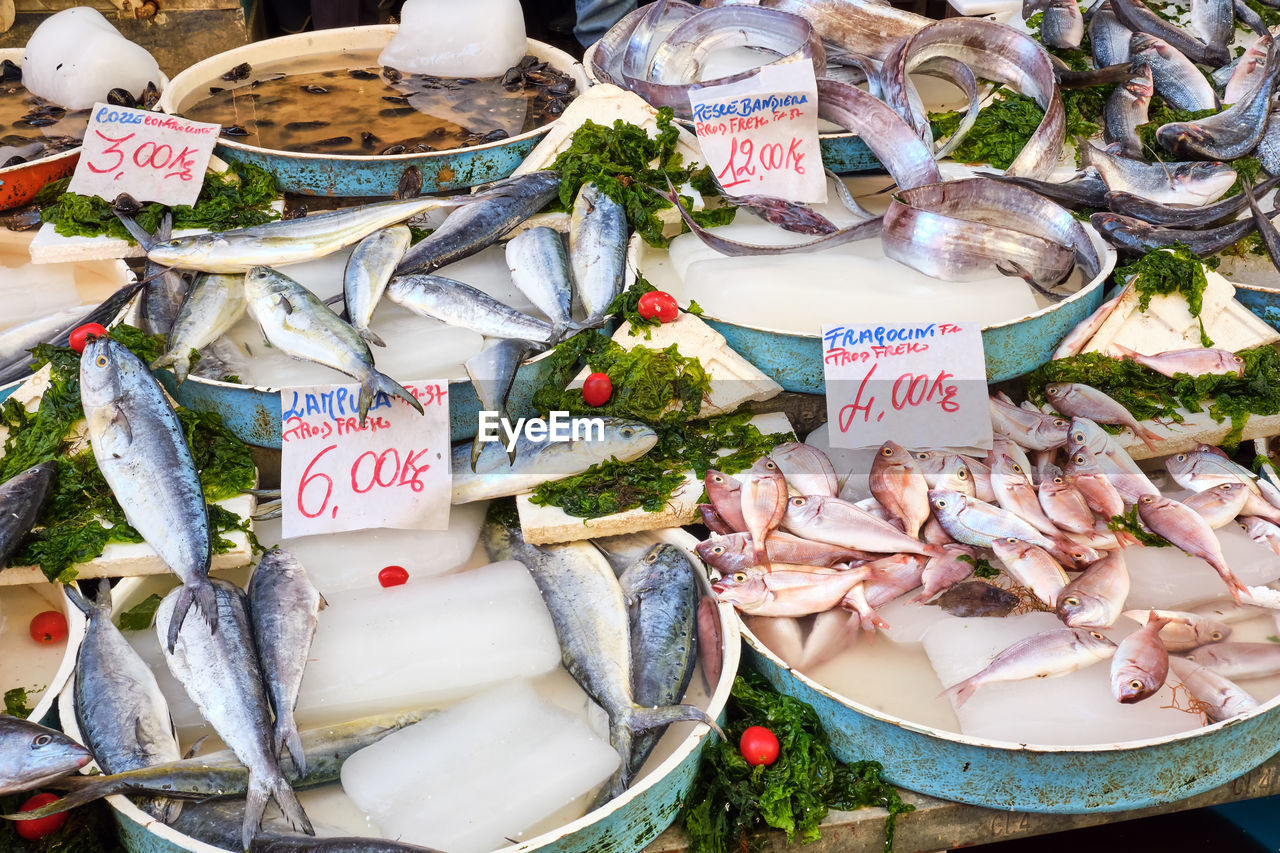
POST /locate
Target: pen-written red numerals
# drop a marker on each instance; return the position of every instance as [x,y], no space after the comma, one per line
[909,391]
[390,469]
[168,160]
[748,161]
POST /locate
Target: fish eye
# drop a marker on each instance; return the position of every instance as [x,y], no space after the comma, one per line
[1215,636]
[651,558]
[922,455]
[1181,457]
[740,577]
[1011,540]
[719,549]
[1096,635]
[770,465]
[1051,391]
[963,473]
[1078,555]
[1078,438]
[1059,422]
[1237,359]
[940,503]
[1058,481]
[1135,684]
[101,361]
[1080,459]
[887,451]
[1146,499]
[627,432]
[1017,468]
[798,501]
[716,478]
[1071,601]
[41,740]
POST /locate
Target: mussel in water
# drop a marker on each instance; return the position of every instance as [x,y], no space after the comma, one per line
[119,97]
[10,72]
[368,140]
[361,74]
[392,149]
[234,130]
[240,72]
[315,90]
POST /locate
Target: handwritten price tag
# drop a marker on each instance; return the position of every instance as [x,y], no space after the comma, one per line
[924,385]
[151,156]
[760,135]
[336,475]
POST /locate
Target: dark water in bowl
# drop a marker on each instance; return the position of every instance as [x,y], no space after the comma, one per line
[31,128]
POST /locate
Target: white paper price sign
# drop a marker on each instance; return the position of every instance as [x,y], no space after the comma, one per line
[338,475]
[150,156]
[924,385]
[760,135]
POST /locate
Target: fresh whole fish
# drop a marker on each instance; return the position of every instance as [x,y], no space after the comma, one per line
[162,296]
[956,476]
[1078,337]
[1177,80]
[1191,362]
[1185,529]
[1199,470]
[886,580]
[942,573]
[1184,631]
[710,642]
[294,321]
[725,493]
[590,617]
[1231,133]
[1065,506]
[285,608]
[713,522]
[123,716]
[22,497]
[1108,37]
[31,755]
[764,503]
[661,591]
[368,270]
[872,29]
[971,599]
[539,267]
[1188,183]
[1146,24]
[808,470]
[1063,25]
[1135,237]
[1098,491]
[214,305]
[1268,150]
[1249,19]
[1095,598]
[1220,505]
[976,523]
[220,673]
[462,305]
[1141,663]
[1183,215]
[1126,108]
[1046,655]
[1094,450]
[1032,567]
[1239,660]
[838,522]
[1086,189]
[492,372]
[1084,401]
[1262,531]
[1214,21]
[143,455]
[1249,69]
[1015,493]
[734,551]
[1031,430]
[16,342]
[481,221]
[1220,698]
[897,482]
[544,459]
[980,471]
[597,251]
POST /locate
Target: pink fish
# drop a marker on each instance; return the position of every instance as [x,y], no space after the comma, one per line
[898,483]
[787,590]
[725,493]
[1220,505]
[1078,337]
[1095,598]
[764,501]
[1185,529]
[1065,506]
[1197,361]
[808,470]
[734,551]
[942,573]
[1047,655]
[838,522]
[1077,400]
[1141,663]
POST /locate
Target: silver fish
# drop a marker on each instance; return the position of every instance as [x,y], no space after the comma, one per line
[542,460]
[1141,663]
[1135,15]
[368,270]
[1198,470]
[481,221]
[299,324]
[492,372]
[1176,78]
[1185,529]
[1220,505]
[1231,133]
[1029,429]
[285,607]
[838,522]
[1033,567]
[1077,400]
[143,455]
[1046,655]
[17,341]
[597,251]
[22,497]
[162,296]
[808,470]
[122,714]
[1063,25]
[1167,183]
[1135,237]
[462,305]
[1239,660]
[214,305]
[1220,698]
[1128,484]
[539,267]
[1192,362]
[1184,631]
[1125,109]
[590,617]
[976,523]
[1214,21]
[31,755]
[220,673]
[1095,598]
[1108,37]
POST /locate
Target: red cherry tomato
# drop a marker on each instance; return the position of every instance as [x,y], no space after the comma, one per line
[49,627]
[33,829]
[658,303]
[597,389]
[78,336]
[759,746]
[393,576]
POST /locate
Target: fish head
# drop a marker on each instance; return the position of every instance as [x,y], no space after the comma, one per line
[1209,631]
[744,589]
[1095,642]
[1180,467]
[186,253]
[894,454]
[803,509]
[31,753]
[1005,465]
[726,553]
[1056,390]
[956,476]
[766,468]
[1142,86]
[1132,683]
[1080,609]
[1209,180]
[721,488]
[947,502]
[625,440]
[1085,434]
[104,370]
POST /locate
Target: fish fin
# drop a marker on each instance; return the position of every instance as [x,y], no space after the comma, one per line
[371,337]
[202,596]
[643,719]
[99,787]
[255,805]
[195,747]
[620,736]
[77,598]
[287,736]
[961,691]
[477,447]
[117,435]
[1149,438]
[323,603]
[375,382]
[137,232]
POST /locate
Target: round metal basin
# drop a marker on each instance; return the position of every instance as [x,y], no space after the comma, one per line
[19,184]
[352,175]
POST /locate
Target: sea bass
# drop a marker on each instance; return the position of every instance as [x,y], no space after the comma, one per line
[143,455]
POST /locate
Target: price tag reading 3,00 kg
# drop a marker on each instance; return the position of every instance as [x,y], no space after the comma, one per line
[150,156]
[338,475]
[923,385]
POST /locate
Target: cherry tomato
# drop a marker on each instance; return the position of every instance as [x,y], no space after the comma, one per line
[759,746]
[33,829]
[660,304]
[49,627]
[393,576]
[77,341]
[597,389]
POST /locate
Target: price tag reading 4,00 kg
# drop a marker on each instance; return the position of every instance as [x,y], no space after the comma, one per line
[150,156]
[923,385]
[338,475]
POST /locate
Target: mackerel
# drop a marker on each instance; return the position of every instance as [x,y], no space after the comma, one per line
[368,270]
[22,497]
[32,755]
[164,292]
[492,372]
[214,305]
[462,305]
[597,251]
[539,266]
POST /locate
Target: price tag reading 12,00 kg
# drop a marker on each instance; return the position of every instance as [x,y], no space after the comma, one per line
[923,385]
[150,156]
[338,475]
[760,135]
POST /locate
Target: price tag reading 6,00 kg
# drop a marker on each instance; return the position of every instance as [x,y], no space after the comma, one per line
[923,385]
[150,156]
[338,475]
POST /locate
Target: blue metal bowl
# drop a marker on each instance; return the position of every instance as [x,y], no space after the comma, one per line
[1263,301]
[351,175]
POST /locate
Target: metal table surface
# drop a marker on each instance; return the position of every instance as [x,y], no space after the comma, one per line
[938,825]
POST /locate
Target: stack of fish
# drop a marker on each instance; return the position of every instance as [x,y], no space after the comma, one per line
[1041,504]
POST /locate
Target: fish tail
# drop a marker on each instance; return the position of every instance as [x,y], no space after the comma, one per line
[371,337]
[1148,437]
[287,800]
[181,367]
[103,786]
[375,382]
[620,736]
[287,735]
[136,231]
[760,552]
[960,692]
[255,805]
[1233,583]
[78,599]
[643,719]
